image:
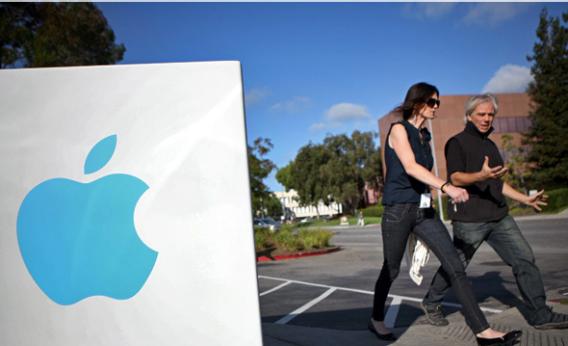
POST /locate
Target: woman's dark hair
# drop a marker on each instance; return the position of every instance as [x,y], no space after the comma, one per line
[417,95]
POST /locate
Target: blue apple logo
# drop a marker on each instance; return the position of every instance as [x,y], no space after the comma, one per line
[78,240]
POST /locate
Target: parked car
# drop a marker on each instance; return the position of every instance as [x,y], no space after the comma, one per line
[266,222]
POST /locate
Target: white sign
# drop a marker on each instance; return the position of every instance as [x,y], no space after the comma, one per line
[125,207]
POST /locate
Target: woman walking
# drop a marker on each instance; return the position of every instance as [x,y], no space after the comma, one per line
[407,201]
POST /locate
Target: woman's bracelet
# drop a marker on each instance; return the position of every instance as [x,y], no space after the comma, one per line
[442,187]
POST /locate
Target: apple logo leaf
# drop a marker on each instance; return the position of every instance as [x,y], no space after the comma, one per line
[100,154]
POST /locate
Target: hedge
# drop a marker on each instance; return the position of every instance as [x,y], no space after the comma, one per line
[373,211]
[290,240]
[557,200]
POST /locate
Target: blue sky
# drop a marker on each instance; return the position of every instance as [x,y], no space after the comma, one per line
[312,69]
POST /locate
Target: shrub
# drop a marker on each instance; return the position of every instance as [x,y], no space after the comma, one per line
[290,240]
[287,227]
[557,200]
[285,239]
[315,239]
[373,211]
[262,239]
[372,220]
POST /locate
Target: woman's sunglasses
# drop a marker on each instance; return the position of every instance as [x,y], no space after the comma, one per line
[433,102]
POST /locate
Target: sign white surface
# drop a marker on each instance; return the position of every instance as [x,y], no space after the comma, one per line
[180,129]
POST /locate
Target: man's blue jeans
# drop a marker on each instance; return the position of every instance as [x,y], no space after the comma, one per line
[505,237]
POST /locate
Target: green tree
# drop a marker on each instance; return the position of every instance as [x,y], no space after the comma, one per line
[336,171]
[515,159]
[307,176]
[368,158]
[549,92]
[273,207]
[259,168]
[341,172]
[354,163]
[284,176]
[55,34]
[14,32]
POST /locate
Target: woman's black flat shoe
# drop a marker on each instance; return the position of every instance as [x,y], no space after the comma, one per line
[508,339]
[386,337]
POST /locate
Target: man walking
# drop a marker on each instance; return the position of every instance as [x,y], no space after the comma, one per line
[474,163]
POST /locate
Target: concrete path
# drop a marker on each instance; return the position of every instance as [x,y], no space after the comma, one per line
[456,334]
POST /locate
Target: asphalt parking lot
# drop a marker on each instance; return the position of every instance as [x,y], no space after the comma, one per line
[334,291]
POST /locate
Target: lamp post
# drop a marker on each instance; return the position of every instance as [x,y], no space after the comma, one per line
[433,148]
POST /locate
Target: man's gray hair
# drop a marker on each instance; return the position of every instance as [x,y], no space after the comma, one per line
[476,100]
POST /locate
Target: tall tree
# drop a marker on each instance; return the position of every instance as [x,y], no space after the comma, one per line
[272,206]
[549,92]
[55,34]
[259,168]
[368,158]
[515,158]
[341,172]
[284,176]
[336,171]
[307,175]
[354,164]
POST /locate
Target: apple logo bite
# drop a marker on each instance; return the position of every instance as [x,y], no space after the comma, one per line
[78,240]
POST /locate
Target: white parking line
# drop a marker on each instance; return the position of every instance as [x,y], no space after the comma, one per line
[275,288]
[305,307]
[392,312]
[393,296]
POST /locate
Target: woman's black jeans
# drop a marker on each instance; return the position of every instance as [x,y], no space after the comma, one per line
[398,221]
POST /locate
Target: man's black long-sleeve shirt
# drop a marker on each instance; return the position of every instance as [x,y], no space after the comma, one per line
[465,152]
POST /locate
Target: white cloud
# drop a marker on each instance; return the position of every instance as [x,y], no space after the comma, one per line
[325,125]
[341,113]
[509,78]
[492,13]
[254,96]
[346,111]
[428,10]
[318,126]
[296,104]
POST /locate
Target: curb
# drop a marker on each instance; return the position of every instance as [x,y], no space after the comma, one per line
[297,255]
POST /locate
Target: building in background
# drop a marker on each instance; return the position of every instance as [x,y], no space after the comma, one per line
[512,119]
[290,204]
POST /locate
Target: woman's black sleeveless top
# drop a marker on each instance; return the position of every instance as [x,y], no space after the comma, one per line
[399,186]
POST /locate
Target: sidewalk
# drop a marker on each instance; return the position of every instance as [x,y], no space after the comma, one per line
[562,215]
[456,334]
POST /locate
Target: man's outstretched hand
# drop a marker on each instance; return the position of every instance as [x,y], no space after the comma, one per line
[492,172]
[537,200]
